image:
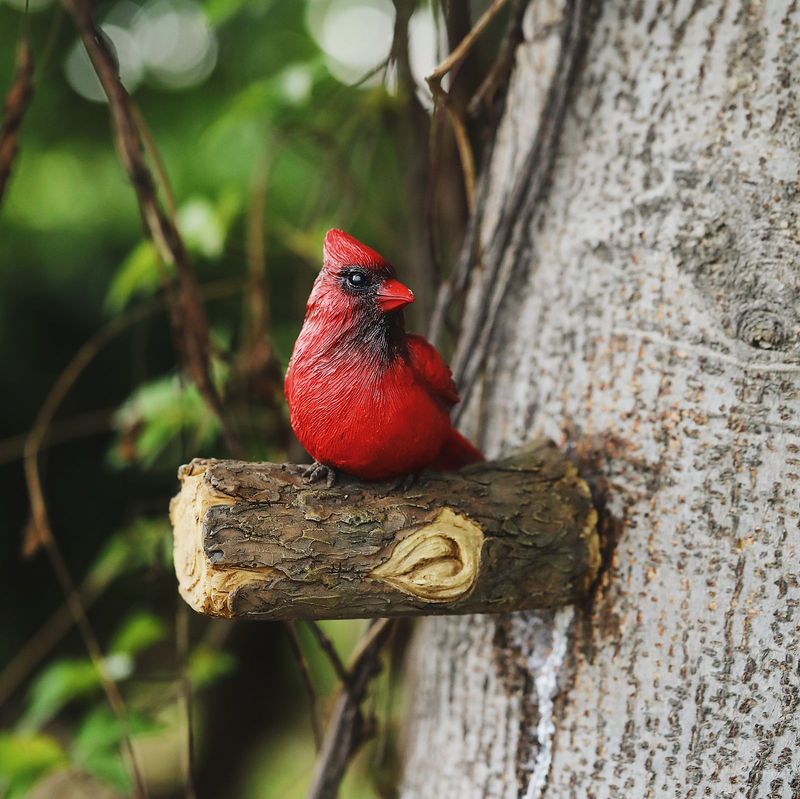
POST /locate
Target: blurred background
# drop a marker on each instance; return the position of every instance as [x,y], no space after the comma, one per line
[272,120]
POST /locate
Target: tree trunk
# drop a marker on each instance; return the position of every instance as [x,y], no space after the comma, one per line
[636,296]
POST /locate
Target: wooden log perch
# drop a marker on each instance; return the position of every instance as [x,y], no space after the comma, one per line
[253,540]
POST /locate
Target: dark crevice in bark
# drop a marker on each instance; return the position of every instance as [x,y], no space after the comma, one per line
[501,261]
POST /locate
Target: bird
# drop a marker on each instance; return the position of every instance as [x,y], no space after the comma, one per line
[365,397]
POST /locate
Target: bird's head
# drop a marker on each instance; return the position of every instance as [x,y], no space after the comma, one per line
[355,280]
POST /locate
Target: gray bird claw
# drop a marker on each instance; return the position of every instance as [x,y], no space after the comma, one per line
[319,471]
[406,482]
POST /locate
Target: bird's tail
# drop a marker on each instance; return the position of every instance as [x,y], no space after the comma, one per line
[455,453]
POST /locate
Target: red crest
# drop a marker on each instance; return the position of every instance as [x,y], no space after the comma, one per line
[341,249]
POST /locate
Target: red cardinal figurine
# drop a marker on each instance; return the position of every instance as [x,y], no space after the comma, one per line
[365,396]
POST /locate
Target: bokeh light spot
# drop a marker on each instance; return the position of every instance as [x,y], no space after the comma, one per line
[80,72]
[295,83]
[354,36]
[178,46]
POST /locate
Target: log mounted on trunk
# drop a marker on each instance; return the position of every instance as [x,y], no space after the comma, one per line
[254,540]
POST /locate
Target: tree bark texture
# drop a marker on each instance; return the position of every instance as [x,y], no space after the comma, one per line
[256,541]
[642,306]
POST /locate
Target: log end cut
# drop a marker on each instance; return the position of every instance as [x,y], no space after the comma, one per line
[203,588]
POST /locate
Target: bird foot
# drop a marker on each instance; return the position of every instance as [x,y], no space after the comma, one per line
[319,471]
[404,483]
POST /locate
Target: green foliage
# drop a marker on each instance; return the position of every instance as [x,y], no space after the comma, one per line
[145,543]
[24,759]
[140,274]
[140,631]
[206,665]
[157,415]
[204,226]
[73,256]
[70,679]
[219,11]
[57,685]
[96,746]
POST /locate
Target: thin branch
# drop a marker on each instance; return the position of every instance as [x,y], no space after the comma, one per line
[47,636]
[346,728]
[16,103]
[434,80]
[40,534]
[154,154]
[457,18]
[257,358]
[366,647]
[464,154]
[45,537]
[33,442]
[498,74]
[185,694]
[61,621]
[326,645]
[51,41]
[369,74]
[456,283]
[78,426]
[453,288]
[256,297]
[529,187]
[258,377]
[187,314]
[395,654]
[419,155]
[297,651]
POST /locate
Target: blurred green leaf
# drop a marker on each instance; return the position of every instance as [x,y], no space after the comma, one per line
[207,665]
[142,544]
[66,680]
[108,766]
[96,746]
[220,11]
[158,414]
[54,178]
[56,686]
[272,99]
[138,632]
[139,274]
[26,758]
[246,104]
[204,226]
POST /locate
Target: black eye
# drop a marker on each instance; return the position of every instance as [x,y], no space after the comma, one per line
[357,279]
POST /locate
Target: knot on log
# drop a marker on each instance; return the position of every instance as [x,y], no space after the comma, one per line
[254,540]
[437,562]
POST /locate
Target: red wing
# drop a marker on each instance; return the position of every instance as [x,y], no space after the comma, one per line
[430,366]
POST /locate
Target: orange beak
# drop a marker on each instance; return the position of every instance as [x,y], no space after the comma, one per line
[393,295]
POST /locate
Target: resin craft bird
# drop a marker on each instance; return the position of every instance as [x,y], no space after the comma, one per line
[365,397]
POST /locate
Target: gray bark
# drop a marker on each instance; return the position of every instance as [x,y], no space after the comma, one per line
[643,308]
